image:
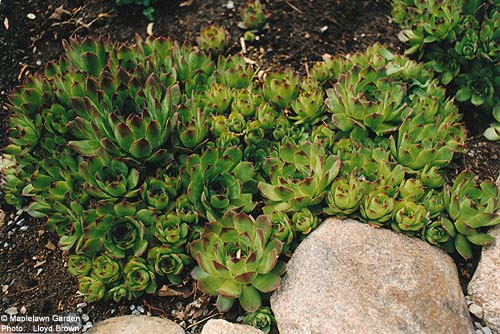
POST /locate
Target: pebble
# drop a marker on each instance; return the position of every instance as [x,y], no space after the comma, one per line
[5,245]
[230,5]
[19,222]
[38,62]
[132,307]
[5,288]
[85,317]
[23,310]
[140,309]
[11,310]
[24,228]
[31,16]
[135,312]
[486,330]
[476,310]
[81,305]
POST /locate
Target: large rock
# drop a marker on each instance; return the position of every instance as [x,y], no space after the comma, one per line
[484,288]
[219,326]
[348,277]
[133,324]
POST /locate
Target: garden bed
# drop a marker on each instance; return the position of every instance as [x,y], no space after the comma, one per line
[299,33]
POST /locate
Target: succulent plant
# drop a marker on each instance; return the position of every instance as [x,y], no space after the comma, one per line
[234,72]
[106,269]
[439,231]
[109,178]
[281,88]
[434,203]
[237,259]
[345,195]
[282,227]
[477,86]
[493,132]
[378,205]
[217,181]
[79,265]
[92,288]
[308,107]
[489,36]
[262,319]
[253,16]
[118,234]
[409,216]
[139,276]
[472,206]
[304,221]
[169,229]
[168,261]
[430,135]
[459,40]
[298,176]
[425,21]
[160,191]
[213,39]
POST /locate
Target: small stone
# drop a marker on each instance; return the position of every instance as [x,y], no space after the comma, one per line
[323,29]
[135,312]
[5,245]
[11,311]
[132,307]
[5,288]
[476,310]
[307,35]
[219,326]
[31,16]
[85,317]
[20,222]
[39,271]
[24,228]
[38,63]
[486,330]
[23,310]
[79,310]
[477,324]
[81,305]
[88,325]
[230,5]
[137,323]
[140,309]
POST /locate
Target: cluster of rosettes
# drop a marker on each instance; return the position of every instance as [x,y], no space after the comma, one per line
[151,158]
[461,41]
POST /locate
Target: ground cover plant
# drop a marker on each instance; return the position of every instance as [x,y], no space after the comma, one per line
[459,39]
[151,158]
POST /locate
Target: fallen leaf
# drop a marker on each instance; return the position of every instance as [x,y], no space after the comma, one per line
[58,13]
[165,291]
[50,246]
[195,309]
